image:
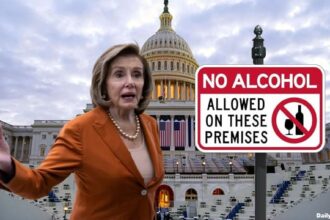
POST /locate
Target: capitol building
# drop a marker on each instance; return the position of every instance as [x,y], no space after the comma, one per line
[196,185]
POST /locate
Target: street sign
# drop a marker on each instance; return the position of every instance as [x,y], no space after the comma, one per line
[268,108]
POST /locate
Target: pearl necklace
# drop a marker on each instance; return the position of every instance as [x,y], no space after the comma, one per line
[123,133]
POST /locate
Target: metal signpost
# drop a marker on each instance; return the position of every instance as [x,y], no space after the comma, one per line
[260,109]
[260,171]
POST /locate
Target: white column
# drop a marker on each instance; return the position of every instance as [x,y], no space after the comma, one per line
[193,88]
[185,90]
[169,89]
[191,92]
[172,133]
[22,150]
[161,88]
[154,93]
[176,90]
[157,119]
[15,147]
[182,90]
[30,147]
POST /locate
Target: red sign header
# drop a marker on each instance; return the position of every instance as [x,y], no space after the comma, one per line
[260,108]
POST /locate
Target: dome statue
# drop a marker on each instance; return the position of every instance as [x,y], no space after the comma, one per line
[171,61]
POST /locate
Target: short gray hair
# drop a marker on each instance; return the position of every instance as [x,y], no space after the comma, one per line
[101,69]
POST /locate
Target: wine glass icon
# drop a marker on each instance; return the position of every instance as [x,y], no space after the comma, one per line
[288,125]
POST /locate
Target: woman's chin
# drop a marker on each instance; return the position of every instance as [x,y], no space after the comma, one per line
[128,106]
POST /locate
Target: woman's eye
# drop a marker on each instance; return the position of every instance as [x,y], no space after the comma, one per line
[137,74]
[118,74]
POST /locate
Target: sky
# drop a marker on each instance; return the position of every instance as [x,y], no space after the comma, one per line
[48,47]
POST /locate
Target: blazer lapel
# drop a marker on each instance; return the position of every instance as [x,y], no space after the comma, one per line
[108,132]
[152,148]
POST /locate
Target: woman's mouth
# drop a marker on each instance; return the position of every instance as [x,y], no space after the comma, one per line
[128,96]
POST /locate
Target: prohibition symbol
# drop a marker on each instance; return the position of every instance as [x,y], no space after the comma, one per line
[306,132]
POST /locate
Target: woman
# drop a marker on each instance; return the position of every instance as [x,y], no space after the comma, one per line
[113,150]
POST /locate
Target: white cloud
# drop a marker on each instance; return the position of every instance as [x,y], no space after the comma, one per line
[47,52]
[205,5]
[206,52]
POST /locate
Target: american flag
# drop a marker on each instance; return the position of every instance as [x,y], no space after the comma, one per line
[165,133]
[179,133]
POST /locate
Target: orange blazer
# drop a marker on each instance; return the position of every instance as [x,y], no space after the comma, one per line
[109,185]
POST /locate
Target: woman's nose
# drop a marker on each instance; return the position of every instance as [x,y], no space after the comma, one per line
[129,80]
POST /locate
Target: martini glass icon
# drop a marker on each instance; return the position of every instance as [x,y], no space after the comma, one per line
[288,125]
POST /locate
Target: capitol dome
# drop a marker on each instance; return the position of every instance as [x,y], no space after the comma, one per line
[168,40]
[171,62]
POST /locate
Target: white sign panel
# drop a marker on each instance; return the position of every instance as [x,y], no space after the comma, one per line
[260,108]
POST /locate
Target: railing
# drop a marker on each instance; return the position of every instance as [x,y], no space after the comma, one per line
[50,121]
[235,210]
[280,191]
[208,176]
[247,176]
[300,174]
[4,124]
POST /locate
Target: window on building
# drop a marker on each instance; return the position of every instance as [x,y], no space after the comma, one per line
[153,66]
[42,150]
[43,136]
[288,155]
[191,194]
[172,65]
[165,65]
[183,67]
[177,66]
[164,198]
[159,65]
[54,136]
[218,191]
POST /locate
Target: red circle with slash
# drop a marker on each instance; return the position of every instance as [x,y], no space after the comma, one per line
[306,133]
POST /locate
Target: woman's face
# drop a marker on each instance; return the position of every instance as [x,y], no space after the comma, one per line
[125,82]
